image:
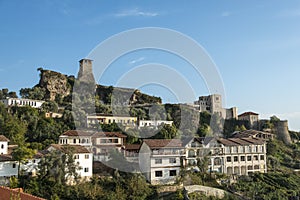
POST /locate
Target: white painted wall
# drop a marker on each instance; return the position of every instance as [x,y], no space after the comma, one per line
[3,147]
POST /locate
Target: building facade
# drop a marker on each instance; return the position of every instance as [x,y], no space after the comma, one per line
[251,117]
[22,102]
[82,157]
[153,123]
[94,120]
[213,105]
[3,144]
[160,160]
[99,143]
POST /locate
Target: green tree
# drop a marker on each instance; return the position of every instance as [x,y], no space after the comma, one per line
[50,106]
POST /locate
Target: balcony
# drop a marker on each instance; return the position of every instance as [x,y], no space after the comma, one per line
[167,152]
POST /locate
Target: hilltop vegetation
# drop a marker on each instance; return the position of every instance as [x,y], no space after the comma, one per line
[32,131]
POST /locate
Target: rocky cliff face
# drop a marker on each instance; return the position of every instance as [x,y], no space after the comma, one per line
[55,84]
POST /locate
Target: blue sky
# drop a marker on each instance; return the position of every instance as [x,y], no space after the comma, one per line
[255,45]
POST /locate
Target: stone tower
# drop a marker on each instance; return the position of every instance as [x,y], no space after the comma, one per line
[85,73]
[282,131]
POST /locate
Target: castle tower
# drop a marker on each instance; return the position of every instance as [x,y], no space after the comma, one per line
[85,73]
[282,131]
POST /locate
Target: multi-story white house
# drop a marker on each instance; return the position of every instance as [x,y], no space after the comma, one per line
[76,137]
[233,156]
[160,160]
[199,147]
[22,102]
[82,156]
[131,152]
[243,155]
[104,142]
[99,143]
[8,168]
[153,123]
[3,144]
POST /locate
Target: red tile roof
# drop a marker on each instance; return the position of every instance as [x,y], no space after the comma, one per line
[78,133]
[131,147]
[74,148]
[3,138]
[5,157]
[248,133]
[247,113]
[240,141]
[93,134]
[161,143]
[7,193]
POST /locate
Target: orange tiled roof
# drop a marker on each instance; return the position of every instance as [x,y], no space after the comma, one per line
[65,148]
[132,147]
[247,113]
[78,133]
[7,193]
[161,143]
[3,138]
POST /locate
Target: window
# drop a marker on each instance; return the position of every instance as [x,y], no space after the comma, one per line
[14,165]
[234,149]
[86,169]
[249,158]
[86,156]
[255,157]
[235,159]
[158,173]
[2,146]
[158,161]
[228,159]
[262,157]
[76,156]
[172,173]
[242,158]
[102,141]
[74,141]
[172,160]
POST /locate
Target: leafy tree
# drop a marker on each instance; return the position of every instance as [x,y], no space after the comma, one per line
[55,170]
[50,106]
[37,93]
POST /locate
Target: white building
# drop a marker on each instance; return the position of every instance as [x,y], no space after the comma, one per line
[3,144]
[96,119]
[154,123]
[160,160]
[197,148]
[99,143]
[82,157]
[22,102]
[242,156]
[233,156]
[8,168]
[76,137]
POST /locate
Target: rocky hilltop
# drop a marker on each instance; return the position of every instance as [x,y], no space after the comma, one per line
[55,84]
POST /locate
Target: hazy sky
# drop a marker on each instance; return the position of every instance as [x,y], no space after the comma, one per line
[254,44]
